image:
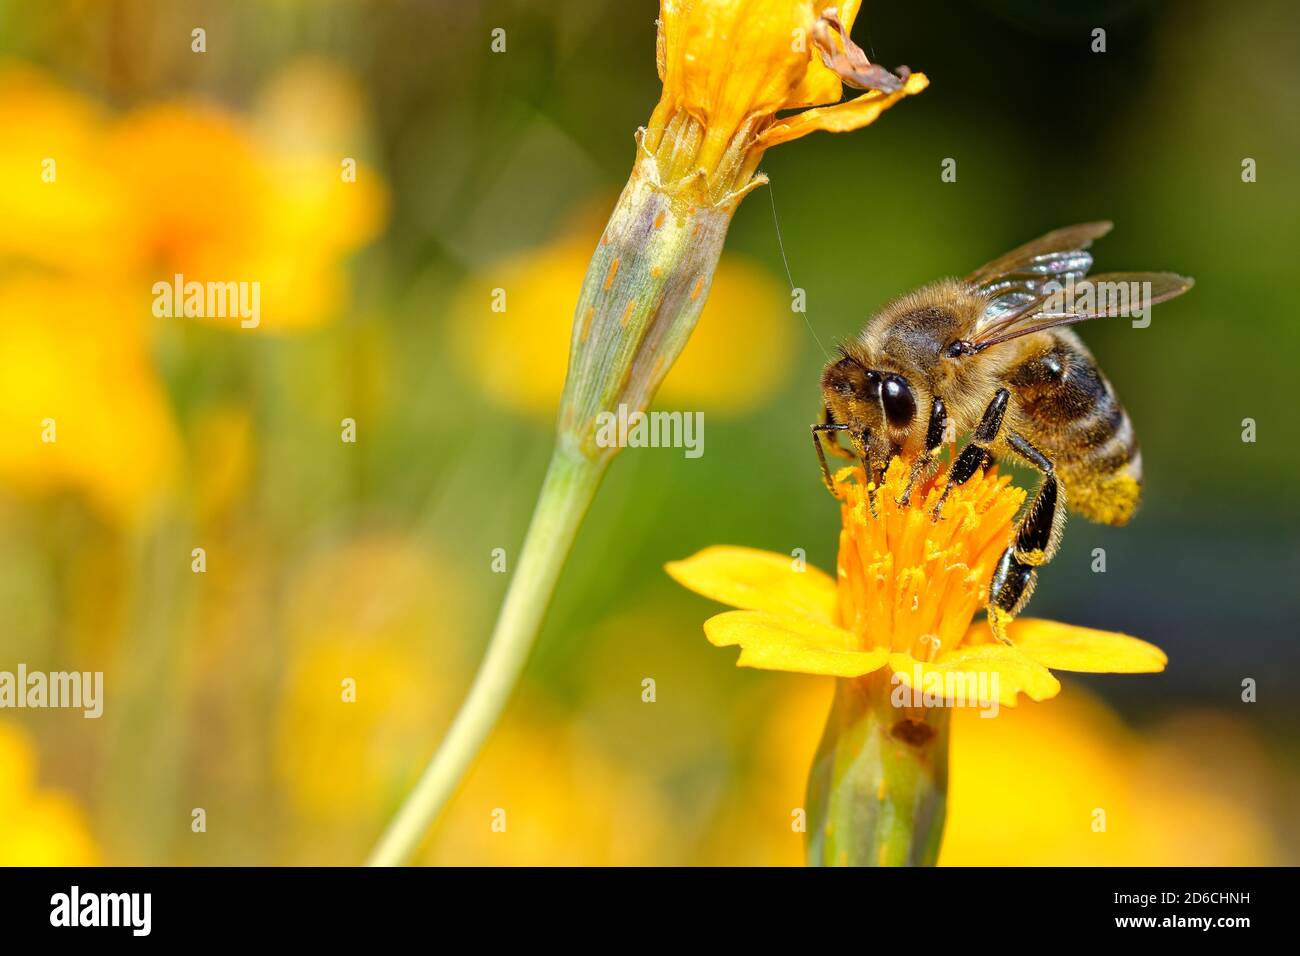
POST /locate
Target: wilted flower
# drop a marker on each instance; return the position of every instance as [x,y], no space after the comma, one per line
[728,68]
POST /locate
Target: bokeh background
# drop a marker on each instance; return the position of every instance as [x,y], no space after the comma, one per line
[328,560]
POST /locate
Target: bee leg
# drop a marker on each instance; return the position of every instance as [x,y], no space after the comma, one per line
[861,442]
[1037,540]
[872,485]
[817,431]
[933,441]
[976,454]
[835,447]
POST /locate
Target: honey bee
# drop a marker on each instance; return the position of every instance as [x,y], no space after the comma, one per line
[991,355]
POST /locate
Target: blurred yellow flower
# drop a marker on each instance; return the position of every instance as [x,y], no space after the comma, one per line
[225,207]
[545,794]
[906,590]
[365,675]
[61,207]
[97,209]
[37,827]
[190,187]
[737,357]
[1069,785]
[762,814]
[80,405]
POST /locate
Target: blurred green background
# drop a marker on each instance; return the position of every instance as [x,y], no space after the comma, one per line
[372,561]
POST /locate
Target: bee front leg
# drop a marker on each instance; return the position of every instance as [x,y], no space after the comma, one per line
[976,455]
[817,431]
[933,441]
[861,442]
[1037,540]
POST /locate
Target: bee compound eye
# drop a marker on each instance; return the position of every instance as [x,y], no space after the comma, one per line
[873,386]
[898,401]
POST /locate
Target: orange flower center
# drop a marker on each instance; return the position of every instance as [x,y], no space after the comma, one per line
[908,582]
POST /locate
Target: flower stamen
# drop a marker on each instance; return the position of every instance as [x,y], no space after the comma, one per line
[907,584]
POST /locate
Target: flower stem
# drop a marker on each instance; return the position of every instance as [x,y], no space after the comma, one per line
[646,284]
[877,794]
[567,492]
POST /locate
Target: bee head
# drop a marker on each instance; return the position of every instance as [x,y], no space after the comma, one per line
[865,397]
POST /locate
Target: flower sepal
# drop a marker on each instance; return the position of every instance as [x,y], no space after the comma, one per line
[877,792]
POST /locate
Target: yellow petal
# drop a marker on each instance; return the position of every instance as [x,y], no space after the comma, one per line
[842,117]
[978,673]
[1068,648]
[724,62]
[758,581]
[779,643]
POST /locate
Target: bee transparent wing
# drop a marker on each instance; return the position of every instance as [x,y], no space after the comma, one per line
[1103,296]
[1016,280]
[1050,254]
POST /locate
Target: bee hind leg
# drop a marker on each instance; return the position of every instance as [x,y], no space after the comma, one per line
[1037,540]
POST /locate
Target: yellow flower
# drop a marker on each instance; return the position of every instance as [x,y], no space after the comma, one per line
[80,403]
[729,67]
[906,591]
[37,827]
[518,355]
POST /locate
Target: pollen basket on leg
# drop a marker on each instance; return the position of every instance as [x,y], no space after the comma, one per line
[910,583]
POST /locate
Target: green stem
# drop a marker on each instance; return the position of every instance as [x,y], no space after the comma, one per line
[878,791]
[646,284]
[567,492]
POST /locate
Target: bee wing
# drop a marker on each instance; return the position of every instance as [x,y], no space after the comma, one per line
[1016,280]
[1047,254]
[1102,296]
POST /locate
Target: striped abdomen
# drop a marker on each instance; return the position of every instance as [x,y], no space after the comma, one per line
[1070,412]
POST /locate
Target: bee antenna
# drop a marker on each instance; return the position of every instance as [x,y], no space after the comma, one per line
[786,261]
[843,351]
